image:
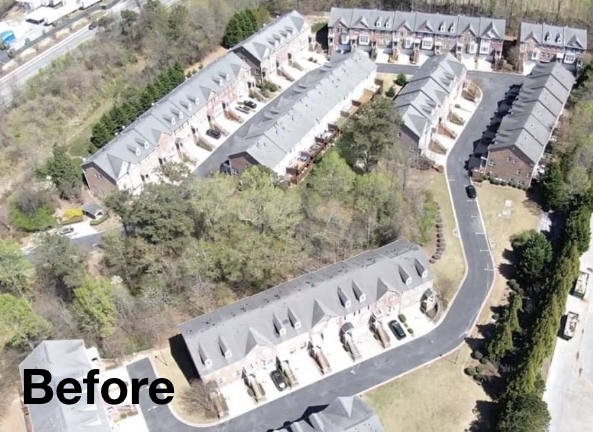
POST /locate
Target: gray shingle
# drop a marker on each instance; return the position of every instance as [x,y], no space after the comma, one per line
[306,299]
[427,90]
[344,414]
[140,139]
[64,359]
[281,31]
[283,123]
[554,35]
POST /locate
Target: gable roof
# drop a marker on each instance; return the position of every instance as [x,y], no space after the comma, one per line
[451,25]
[272,36]
[307,299]
[427,90]
[530,122]
[274,131]
[64,359]
[344,414]
[141,138]
[545,34]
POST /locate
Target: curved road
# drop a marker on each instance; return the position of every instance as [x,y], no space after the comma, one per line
[449,335]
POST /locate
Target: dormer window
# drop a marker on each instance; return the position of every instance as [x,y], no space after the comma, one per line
[173,121]
[294,320]
[547,38]
[206,361]
[137,152]
[388,24]
[279,326]
[224,348]
[344,299]
[559,39]
[358,292]
[146,145]
[378,23]
[452,28]
[406,278]
[442,27]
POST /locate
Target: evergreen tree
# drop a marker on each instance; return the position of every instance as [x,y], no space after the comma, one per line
[118,118]
[553,186]
[233,33]
[100,136]
[129,111]
[65,173]
[19,325]
[525,413]
[252,20]
[508,323]
[148,97]
[94,306]
[109,125]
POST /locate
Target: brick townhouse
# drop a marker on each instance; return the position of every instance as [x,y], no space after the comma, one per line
[277,43]
[289,124]
[252,335]
[425,102]
[515,153]
[415,34]
[162,133]
[545,43]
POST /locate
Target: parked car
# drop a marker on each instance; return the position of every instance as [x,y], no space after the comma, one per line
[397,329]
[471,191]
[304,158]
[93,25]
[250,104]
[278,379]
[66,230]
[243,109]
[213,133]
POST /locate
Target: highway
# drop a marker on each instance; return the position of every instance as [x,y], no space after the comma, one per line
[448,336]
[20,75]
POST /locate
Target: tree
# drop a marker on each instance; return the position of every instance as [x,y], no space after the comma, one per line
[196,398]
[578,228]
[233,33]
[32,210]
[99,136]
[65,173]
[367,137]
[525,413]
[508,324]
[332,177]
[93,305]
[262,16]
[15,269]
[19,325]
[553,183]
[534,253]
[60,265]
[401,80]
[252,19]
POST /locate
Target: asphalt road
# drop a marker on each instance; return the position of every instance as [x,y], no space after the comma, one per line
[450,334]
[19,76]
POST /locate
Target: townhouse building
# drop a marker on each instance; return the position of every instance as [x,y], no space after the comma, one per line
[289,124]
[515,152]
[65,359]
[546,43]
[252,335]
[425,102]
[416,35]
[344,414]
[271,48]
[162,134]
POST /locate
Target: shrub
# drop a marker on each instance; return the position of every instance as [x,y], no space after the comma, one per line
[483,360]
[99,221]
[402,318]
[391,92]
[72,213]
[411,331]
[471,371]
[401,80]
[480,369]
[478,355]
[40,220]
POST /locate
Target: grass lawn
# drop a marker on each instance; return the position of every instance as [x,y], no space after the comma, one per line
[524,215]
[438,397]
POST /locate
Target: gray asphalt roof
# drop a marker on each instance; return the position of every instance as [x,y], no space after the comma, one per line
[554,35]
[294,307]
[450,25]
[140,139]
[345,414]
[427,90]
[534,114]
[283,123]
[64,359]
[268,39]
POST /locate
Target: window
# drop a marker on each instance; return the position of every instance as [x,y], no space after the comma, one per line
[511,180]
[518,172]
[484,47]
[408,42]
[427,43]
[472,48]
[569,58]
[442,27]
[452,28]
[388,24]
[547,37]
[363,40]
[521,182]
[533,55]
[344,38]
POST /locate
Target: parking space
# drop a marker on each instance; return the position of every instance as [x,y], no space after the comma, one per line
[331,341]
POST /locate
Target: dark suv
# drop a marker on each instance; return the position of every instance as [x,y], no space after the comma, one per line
[397,329]
[250,104]
[213,133]
[278,379]
[471,191]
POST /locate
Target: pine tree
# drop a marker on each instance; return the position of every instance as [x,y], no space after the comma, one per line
[233,33]
[100,136]
[148,97]
[250,15]
[110,126]
[129,111]
[117,117]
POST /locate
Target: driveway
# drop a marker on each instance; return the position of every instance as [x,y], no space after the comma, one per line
[378,370]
